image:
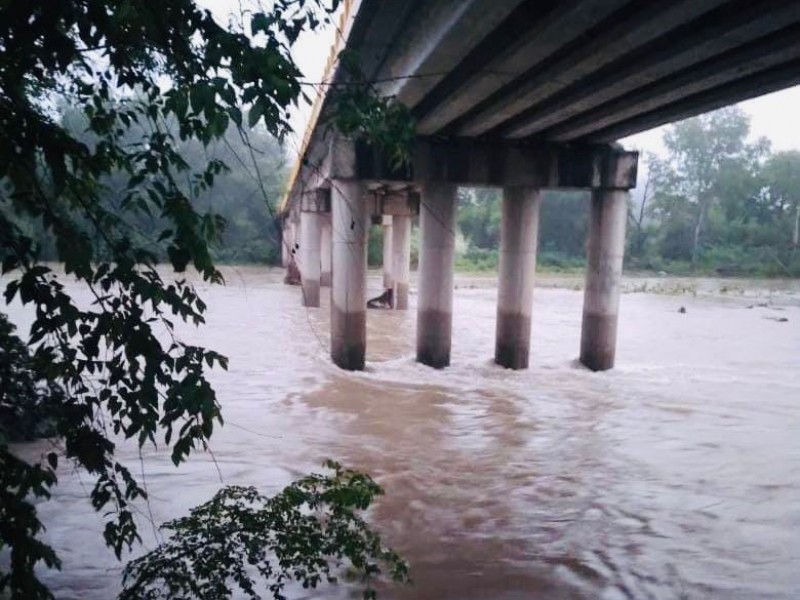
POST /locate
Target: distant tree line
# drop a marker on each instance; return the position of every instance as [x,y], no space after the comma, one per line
[562,229]
[244,197]
[718,203]
[713,204]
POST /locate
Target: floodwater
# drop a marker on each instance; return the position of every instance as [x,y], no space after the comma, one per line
[677,475]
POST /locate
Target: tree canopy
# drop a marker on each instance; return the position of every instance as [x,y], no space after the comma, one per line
[713,203]
[108,110]
[722,201]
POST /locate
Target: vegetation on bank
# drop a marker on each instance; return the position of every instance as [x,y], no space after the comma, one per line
[741,220]
[714,205]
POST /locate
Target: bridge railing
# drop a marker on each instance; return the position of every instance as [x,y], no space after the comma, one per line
[342,32]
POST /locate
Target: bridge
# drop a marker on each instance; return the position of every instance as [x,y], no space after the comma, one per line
[521,95]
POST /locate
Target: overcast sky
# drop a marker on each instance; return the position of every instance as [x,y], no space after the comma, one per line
[774,116]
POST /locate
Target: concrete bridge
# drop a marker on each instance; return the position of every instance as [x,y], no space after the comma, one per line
[522,95]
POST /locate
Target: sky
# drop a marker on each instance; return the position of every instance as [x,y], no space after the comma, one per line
[775,116]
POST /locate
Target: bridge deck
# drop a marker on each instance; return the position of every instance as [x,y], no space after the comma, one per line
[574,71]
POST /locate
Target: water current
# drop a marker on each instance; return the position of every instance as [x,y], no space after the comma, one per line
[676,475]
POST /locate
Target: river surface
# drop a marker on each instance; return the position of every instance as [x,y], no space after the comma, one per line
[675,476]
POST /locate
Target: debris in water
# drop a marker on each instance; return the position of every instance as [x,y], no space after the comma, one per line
[759,305]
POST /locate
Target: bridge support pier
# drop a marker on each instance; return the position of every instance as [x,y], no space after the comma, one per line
[401,259]
[310,237]
[287,243]
[605,251]
[325,276]
[349,297]
[518,244]
[388,279]
[437,250]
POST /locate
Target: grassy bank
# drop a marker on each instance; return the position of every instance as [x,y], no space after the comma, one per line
[716,263]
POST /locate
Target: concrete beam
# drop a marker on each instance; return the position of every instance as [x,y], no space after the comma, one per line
[729,27]
[750,59]
[376,26]
[759,84]
[402,204]
[531,34]
[317,200]
[440,35]
[310,178]
[623,35]
[466,162]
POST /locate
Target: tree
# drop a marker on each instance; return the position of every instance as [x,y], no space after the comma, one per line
[703,152]
[147,79]
[638,209]
[782,178]
[241,538]
[564,223]
[479,217]
[562,227]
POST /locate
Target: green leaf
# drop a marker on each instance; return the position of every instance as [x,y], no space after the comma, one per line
[256,112]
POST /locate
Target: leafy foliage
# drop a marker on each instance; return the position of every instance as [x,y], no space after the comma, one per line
[715,203]
[21,526]
[246,541]
[27,405]
[704,155]
[245,195]
[146,83]
[721,202]
[28,401]
[562,229]
[361,112]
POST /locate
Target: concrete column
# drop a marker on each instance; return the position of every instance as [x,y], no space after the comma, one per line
[288,242]
[325,252]
[388,280]
[349,295]
[310,238]
[518,242]
[401,259]
[605,250]
[292,276]
[437,250]
[286,247]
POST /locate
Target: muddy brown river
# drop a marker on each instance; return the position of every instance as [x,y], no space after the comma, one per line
[677,475]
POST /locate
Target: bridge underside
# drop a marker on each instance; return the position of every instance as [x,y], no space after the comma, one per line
[573,70]
[521,95]
[354,186]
